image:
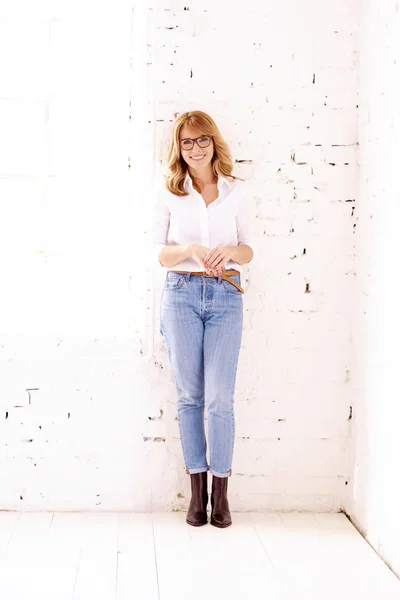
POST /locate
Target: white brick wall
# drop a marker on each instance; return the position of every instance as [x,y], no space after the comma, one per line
[99,427]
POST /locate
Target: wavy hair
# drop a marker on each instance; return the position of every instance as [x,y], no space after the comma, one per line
[221,161]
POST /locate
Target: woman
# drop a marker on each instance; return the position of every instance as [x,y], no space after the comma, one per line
[202,224]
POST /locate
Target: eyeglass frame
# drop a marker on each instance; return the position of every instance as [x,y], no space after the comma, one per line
[195,140]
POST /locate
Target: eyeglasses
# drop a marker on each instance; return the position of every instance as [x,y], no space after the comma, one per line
[202,142]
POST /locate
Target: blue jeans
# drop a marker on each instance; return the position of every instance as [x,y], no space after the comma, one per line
[201,320]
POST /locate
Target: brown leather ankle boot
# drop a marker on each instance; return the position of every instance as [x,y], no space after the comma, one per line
[220,515]
[197,513]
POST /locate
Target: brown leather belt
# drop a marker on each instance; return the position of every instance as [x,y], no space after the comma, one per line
[224,275]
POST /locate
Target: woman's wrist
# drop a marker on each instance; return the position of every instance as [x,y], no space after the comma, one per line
[241,254]
[190,248]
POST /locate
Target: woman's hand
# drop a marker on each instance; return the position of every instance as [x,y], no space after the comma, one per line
[217,257]
[199,252]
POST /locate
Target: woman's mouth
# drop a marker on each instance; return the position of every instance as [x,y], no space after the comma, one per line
[197,157]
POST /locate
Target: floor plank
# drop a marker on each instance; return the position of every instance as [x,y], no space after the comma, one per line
[110,556]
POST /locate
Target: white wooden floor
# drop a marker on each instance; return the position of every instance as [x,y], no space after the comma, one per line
[109,556]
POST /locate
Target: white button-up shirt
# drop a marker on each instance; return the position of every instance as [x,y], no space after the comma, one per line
[227,221]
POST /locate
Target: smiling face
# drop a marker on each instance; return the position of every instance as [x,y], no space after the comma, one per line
[197,158]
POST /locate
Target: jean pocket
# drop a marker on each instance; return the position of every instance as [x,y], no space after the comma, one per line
[229,287]
[174,281]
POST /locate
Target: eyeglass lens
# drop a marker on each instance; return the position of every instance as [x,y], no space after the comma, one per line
[203,142]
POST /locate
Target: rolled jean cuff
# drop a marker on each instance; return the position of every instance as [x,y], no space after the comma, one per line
[198,470]
[221,474]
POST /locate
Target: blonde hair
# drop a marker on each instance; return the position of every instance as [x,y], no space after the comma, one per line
[222,164]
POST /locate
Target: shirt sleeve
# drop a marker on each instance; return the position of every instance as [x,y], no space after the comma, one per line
[246,220]
[160,224]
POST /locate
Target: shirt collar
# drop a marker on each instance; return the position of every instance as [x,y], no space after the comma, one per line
[221,181]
